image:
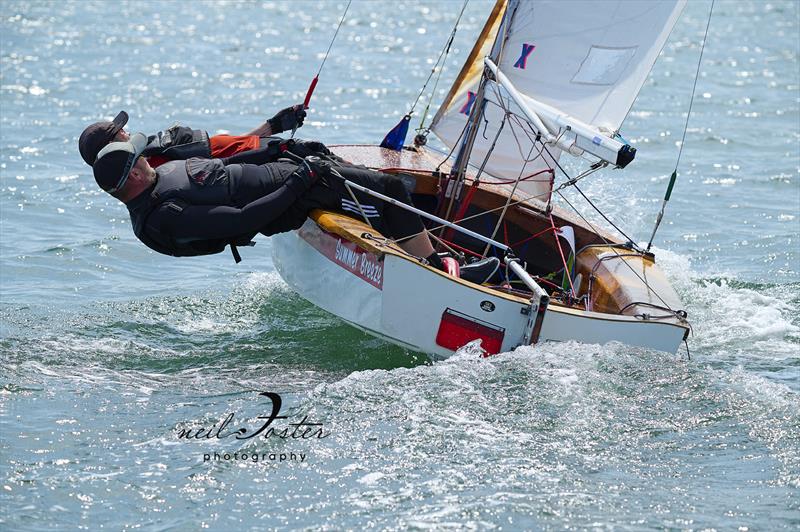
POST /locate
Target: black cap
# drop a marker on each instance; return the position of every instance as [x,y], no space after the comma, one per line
[115,160]
[96,136]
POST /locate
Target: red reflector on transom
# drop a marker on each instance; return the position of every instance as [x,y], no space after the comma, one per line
[457,330]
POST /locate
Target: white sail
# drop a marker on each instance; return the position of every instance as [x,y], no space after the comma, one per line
[582,59]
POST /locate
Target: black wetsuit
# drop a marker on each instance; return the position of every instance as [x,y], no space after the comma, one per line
[219,205]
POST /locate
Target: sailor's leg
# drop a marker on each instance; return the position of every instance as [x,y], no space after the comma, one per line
[254,181]
[419,245]
[405,225]
[395,221]
[399,223]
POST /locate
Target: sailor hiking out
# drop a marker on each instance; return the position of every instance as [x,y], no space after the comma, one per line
[181,142]
[199,206]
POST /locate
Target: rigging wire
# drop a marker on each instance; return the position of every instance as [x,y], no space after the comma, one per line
[477,178]
[508,201]
[443,59]
[557,190]
[444,51]
[453,149]
[533,143]
[458,174]
[571,182]
[524,199]
[619,256]
[606,218]
[328,51]
[630,241]
[674,175]
[314,81]
[595,207]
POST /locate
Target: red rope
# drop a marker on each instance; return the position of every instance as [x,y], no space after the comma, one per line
[462,210]
[546,281]
[451,244]
[561,252]
[400,169]
[540,233]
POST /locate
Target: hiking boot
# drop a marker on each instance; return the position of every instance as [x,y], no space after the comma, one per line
[481,271]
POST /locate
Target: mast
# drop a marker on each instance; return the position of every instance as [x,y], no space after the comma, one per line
[471,65]
[456,178]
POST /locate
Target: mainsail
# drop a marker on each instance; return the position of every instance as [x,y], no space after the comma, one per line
[579,63]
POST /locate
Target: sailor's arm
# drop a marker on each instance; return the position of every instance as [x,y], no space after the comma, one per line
[286,119]
[276,148]
[206,222]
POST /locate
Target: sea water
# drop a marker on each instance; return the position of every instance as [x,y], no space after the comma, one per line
[126,375]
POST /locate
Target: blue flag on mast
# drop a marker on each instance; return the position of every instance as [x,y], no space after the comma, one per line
[395,139]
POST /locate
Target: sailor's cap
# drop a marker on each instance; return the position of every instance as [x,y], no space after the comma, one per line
[114,162]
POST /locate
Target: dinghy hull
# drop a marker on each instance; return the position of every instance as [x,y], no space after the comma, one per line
[380,290]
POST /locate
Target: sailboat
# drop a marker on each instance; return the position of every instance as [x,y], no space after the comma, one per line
[545,80]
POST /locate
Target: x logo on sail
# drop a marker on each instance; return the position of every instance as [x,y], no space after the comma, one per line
[467,106]
[522,62]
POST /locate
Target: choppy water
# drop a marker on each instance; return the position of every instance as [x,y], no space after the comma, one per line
[108,349]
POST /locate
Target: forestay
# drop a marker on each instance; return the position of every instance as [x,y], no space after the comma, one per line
[586,58]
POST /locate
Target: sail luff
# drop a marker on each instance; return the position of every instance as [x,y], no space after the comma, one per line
[473,66]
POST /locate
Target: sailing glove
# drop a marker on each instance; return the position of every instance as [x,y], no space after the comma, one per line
[277,147]
[322,168]
[304,148]
[287,119]
[307,174]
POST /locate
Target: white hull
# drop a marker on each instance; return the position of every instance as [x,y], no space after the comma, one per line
[398,299]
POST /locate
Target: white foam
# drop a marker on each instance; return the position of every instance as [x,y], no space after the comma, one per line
[770,393]
[722,314]
[371,478]
[228,315]
[263,282]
